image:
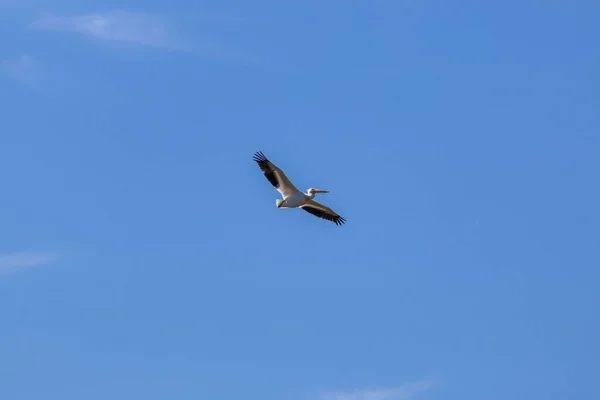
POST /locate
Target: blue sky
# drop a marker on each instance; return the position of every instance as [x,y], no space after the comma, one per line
[141,252]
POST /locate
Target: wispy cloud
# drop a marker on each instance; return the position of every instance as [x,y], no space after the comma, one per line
[24,260]
[404,392]
[123,26]
[23,69]
[146,29]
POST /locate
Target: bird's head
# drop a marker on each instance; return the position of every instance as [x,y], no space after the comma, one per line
[314,191]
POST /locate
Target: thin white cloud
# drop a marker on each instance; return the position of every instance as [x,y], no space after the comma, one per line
[24,260]
[23,69]
[123,26]
[145,29]
[404,392]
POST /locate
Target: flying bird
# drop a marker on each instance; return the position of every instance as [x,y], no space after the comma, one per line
[292,197]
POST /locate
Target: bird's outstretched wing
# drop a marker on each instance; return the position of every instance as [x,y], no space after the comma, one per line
[321,211]
[274,175]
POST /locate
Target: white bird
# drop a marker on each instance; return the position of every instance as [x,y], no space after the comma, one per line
[292,197]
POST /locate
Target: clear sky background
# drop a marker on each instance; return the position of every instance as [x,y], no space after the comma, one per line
[141,252]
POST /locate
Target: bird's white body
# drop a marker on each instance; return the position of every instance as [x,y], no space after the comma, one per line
[294,200]
[291,196]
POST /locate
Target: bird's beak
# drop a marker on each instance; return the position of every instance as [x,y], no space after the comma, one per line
[321,191]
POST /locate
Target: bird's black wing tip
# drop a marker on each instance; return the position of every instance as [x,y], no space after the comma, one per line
[338,220]
[259,156]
